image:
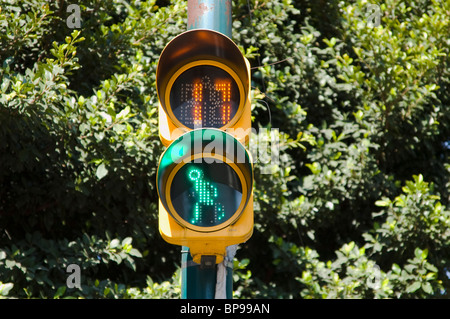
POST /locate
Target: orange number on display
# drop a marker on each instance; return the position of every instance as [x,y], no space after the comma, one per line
[225,88]
[198,98]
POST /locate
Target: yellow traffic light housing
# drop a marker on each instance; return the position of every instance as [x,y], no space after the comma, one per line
[203,80]
[204,183]
[205,176]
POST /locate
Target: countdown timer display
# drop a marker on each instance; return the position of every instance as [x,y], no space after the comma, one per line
[204,96]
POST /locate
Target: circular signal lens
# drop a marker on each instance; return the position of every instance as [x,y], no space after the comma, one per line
[204,96]
[206,194]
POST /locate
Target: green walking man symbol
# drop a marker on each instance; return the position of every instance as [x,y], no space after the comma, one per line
[206,198]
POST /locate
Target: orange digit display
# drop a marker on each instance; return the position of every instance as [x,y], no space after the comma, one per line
[204,96]
[225,89]
[198,100]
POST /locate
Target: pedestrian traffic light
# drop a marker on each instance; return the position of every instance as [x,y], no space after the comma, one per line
[205,176]
[204,183]
[203,80]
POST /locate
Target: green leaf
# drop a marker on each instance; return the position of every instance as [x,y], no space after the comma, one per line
[314,167]
[5,288]
[421,254]
[413,287]
[135,253]
[424,254]
[127,241]
[114,243]
[382,203]
[426,287]
[61,290]
[122,114]
[102,171]
[396,269]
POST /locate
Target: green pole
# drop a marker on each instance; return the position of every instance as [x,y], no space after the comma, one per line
[210,14]
[198,282]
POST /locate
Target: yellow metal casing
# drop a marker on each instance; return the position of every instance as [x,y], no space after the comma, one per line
[205,243]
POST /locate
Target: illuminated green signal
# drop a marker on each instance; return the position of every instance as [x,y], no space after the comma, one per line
[206,193]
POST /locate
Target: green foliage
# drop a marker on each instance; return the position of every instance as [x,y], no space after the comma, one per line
[416,216]
[5,288]
[79,143]
[39,265]
[357,207]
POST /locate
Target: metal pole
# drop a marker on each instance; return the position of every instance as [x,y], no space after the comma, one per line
[197,282]
[210,14]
